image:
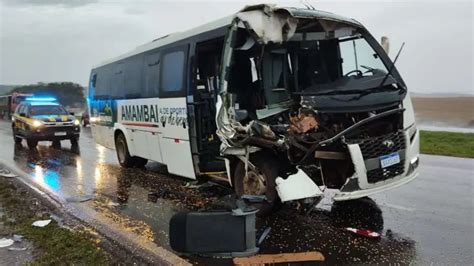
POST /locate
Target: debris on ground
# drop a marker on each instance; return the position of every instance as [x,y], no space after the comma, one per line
[58,220]
[41,223]
[209,188]
[6,173]
[6,242]
[363,232]
[280,258]
[48,245]
[113,204]
[215,233]
[264,235]
[79,199]
[17,249]
[17,238]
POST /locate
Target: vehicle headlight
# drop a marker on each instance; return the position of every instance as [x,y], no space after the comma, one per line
[77,122]
[37,123]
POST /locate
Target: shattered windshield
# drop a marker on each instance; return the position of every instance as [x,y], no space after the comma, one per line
[320,65]
[358,55]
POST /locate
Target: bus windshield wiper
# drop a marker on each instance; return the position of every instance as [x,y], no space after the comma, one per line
[380,87]
[359,92]
[392,66]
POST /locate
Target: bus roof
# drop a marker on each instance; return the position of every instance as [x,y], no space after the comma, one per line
[173,37]
[226,21]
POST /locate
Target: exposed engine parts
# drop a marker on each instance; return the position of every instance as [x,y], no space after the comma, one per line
[303,121]
[295,93]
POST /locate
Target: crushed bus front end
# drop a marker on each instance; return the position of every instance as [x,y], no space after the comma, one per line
[309,100]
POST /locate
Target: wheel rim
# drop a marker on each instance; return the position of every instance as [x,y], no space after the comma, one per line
[121,150]
[254,183]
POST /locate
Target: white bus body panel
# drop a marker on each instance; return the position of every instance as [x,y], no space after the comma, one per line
[160,133]
[103,135]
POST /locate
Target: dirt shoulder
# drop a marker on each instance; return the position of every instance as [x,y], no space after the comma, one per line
[448,111]
[63,240]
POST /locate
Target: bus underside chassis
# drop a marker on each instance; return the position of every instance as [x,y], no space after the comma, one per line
[272,138]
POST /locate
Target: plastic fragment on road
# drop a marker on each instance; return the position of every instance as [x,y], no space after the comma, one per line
[363,232]
[113,204]
[297,186]
[6,242]
[41,223]
[17,249]
[17,238]
[264,235]
[280,258]
[7,173]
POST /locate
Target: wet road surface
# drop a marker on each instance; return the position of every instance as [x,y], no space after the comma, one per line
[428,220]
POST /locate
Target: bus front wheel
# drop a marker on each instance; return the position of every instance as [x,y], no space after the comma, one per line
[123,154]
[259,182]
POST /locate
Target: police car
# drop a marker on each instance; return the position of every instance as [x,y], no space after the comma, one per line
[43,119]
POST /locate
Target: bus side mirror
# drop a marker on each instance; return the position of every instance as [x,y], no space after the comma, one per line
[22,114]
[384,41]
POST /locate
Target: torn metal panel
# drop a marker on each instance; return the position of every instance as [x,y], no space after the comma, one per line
[303,122]
[270,26]
[297,186]
[299,104]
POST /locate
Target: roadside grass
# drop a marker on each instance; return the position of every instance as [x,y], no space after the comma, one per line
[53,245]
[447,143]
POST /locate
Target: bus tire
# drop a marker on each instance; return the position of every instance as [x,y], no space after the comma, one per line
[140,162]
[123,155]
[266,168]
[32,143]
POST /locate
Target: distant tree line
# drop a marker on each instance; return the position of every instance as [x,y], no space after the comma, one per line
[68,93]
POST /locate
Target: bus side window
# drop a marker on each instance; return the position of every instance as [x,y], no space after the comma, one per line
[117,89]
[172,74]
[92,85]
[151,72]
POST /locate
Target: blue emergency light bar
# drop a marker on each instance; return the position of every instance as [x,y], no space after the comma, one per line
[41,99]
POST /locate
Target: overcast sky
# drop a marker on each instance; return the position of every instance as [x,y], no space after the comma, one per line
[60,40]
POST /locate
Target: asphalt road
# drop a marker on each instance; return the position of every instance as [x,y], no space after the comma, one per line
[428,220]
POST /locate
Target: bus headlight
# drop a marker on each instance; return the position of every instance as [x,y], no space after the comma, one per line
[77,122]
[37,123]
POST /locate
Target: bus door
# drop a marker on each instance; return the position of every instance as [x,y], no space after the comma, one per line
[174,124]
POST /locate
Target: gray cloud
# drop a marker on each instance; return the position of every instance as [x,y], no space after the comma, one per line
[63,3]
[53,43]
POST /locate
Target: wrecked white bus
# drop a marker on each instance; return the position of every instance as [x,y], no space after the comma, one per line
[284,101]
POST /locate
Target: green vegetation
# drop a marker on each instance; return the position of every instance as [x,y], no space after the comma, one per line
[447,143]
[67,93]
[53,244]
